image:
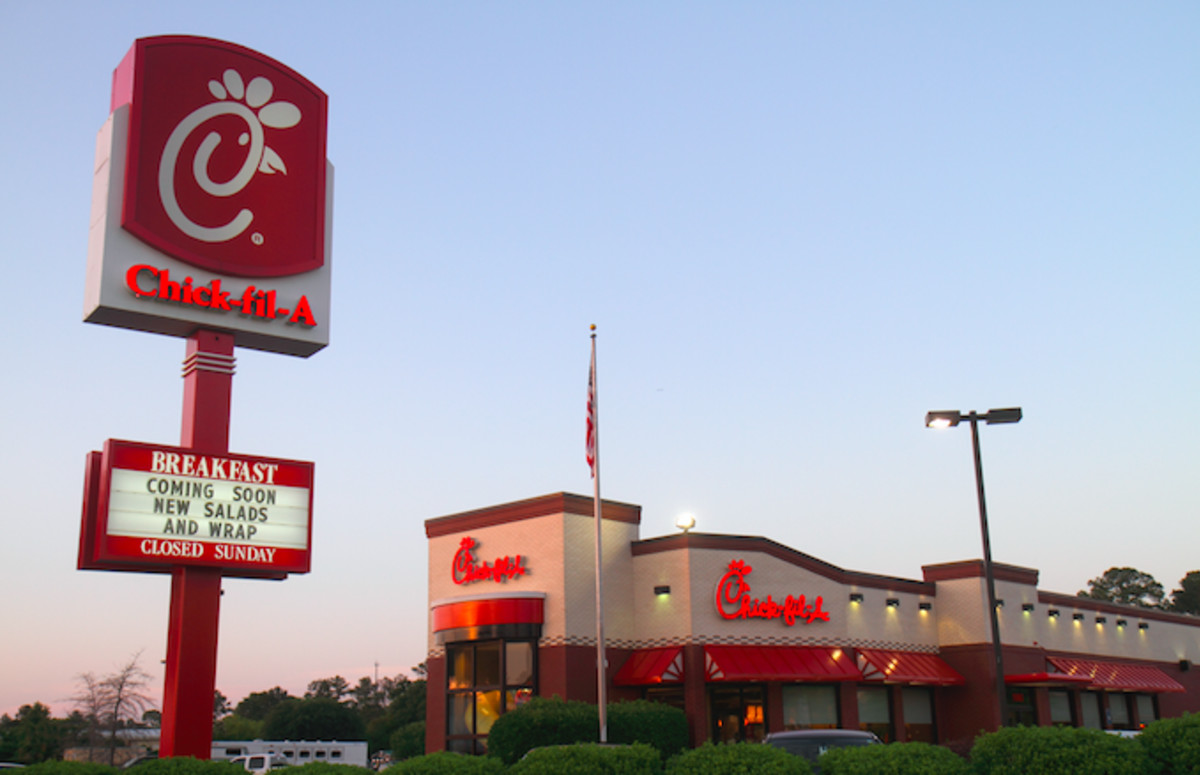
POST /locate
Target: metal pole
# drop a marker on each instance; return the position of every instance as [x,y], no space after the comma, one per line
[601,672]
[989,576]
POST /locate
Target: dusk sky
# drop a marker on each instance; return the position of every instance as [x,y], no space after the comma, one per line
[797,226]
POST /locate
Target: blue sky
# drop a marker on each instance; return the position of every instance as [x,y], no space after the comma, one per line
[797,226]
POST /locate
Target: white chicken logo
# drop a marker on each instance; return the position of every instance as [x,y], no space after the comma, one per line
[259,158]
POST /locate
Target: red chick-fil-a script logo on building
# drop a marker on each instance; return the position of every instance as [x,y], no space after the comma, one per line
[734,601]
[466,569]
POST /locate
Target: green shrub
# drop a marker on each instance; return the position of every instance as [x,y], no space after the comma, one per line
[661,726]
[590,759]
[446,763]
[542,722]
[326,768]
[408,741]
[894,759]
[737,759]
[1173,744]
[185,765]
[1056,751]
[545,722]
[69,768]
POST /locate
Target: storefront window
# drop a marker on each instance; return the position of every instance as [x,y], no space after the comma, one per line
[874,711]
[1145,708]
[1060,708]
[1021,711]
[1118,711]
[667,695]
[476,695]
[918,714]
[738,714]
[1090,704]
[810,706]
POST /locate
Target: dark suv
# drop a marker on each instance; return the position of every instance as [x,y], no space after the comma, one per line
[811,743]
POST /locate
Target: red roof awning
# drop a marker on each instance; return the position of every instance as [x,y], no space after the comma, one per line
[1046,679]
[651,666]
[778,663]
[907,667]
[1117,676]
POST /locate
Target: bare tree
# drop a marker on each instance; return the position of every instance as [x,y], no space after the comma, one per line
[112,702]
[90,702]
[127,699]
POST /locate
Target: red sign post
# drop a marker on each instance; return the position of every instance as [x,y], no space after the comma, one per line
[210,221]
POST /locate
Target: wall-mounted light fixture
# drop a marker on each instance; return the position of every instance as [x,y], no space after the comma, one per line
[1101,619]
[1077,617]
[1053,613]
[1143,626]
[1027,607]
[1122,622]
[925,605]
[856,597]
[893,602]
[662,589]
[999,602]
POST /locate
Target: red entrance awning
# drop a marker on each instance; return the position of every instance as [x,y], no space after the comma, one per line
[1117,676]
[1046,679]
[778,663]
[907,667]
[651,666]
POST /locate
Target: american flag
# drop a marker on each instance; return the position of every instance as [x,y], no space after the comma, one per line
[591,413]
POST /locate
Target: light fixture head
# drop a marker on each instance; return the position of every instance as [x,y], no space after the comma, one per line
[945,419]
[925,605]
[999,602]
[1101,619]
[1053,613]
[999,416]
[856,597]
[1143,625]
[685,522]
[1077,617]
[662,589]
[893,602]
[1122,622]
[1027,607]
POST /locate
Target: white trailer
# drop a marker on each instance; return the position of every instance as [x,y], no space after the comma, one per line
[296,752]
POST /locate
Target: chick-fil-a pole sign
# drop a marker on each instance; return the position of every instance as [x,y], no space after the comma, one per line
[165,506]
[212,198]
[735,602]
[465,569]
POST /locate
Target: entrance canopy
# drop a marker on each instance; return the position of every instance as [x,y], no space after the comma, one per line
[651,666]
[778,663]
[1118,677]
[907,667]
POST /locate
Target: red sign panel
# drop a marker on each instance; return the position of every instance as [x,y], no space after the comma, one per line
[226,157]
[149,506]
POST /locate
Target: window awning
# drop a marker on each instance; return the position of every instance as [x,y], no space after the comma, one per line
[907,667]
[651,666]
[1117,676]
[1046,679]
[778,663]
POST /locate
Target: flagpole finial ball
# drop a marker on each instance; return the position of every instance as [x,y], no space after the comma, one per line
[593,326]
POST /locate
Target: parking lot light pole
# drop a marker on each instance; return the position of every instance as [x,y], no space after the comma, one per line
[949,419]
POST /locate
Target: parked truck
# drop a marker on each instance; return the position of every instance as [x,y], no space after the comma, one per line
[259,756]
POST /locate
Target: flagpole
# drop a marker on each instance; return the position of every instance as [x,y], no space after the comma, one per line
[594,452]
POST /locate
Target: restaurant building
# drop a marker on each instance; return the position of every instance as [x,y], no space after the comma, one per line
[749,636]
